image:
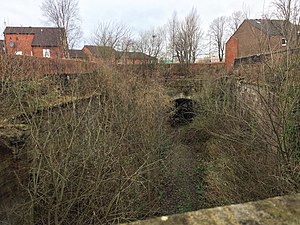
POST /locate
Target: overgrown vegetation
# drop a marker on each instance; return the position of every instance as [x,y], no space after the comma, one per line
[97,160]
[253,150]
[99,149]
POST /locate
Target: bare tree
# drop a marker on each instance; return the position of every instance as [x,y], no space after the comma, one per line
[217,34]
[185,37]
[235,20]
[112,34]
[173,25]
[151,42]
[64,14]
[287,10]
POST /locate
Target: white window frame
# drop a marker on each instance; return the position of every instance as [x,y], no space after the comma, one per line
[283,42]
[46,53]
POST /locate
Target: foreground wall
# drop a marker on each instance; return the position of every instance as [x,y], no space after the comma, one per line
[273,211]
[24,67]
[174,71]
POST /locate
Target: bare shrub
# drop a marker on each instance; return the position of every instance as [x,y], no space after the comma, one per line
[95,156]
[253,153]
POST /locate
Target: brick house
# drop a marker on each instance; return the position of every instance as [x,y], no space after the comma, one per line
[48,42]
[78,54]
[131,58]
[109,54]
[100,53]
[259,36]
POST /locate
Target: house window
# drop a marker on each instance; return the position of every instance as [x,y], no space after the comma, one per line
[11,44]
[46,53]
[19,53]
[283,42]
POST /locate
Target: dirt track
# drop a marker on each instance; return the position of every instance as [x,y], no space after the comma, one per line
[183,182]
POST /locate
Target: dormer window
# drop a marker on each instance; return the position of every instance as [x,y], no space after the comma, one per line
[283,42]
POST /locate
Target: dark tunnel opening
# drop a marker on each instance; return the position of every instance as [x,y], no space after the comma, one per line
[183,112]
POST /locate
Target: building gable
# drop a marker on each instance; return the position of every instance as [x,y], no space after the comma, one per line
[101,52]
[43,36]
[135,58]
[36,41]
[260,36]
[77,54]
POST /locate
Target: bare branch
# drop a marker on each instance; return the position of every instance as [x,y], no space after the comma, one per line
[151,42]
[218,35]
[235,20]
[64,14]
[112,34]
[185,37]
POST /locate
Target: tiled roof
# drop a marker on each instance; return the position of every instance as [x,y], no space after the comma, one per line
[103,52]
[43,36]
[134,55]
[271,27]
[21,30]
[77,54]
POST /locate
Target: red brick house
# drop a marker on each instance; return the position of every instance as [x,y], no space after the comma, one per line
[131,58]
[78,54]
[109,54]
[100,53]
[48,42]
[258,36]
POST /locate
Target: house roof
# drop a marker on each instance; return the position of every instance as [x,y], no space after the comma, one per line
[103,52]
[271,27]
[134,55]
[106,52]
[43,36]
[77,54]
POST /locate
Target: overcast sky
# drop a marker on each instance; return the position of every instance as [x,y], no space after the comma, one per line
[138,14]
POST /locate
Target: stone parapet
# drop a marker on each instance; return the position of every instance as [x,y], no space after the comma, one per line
[273,211]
